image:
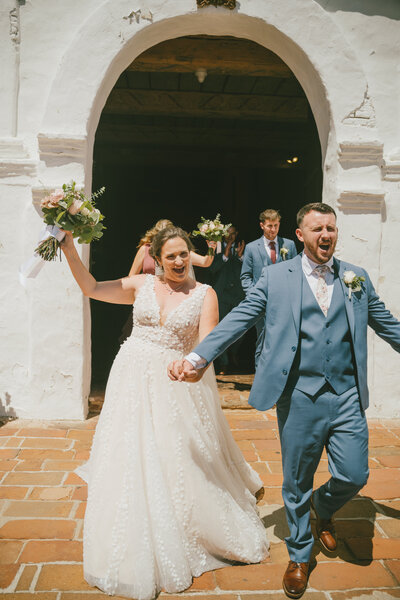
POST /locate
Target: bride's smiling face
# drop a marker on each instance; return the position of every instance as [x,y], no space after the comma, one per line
[174,259]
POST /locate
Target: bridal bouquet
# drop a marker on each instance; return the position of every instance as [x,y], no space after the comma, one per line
[67,209]
[71,210]
[212,230]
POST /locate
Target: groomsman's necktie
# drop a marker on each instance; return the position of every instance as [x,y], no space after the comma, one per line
[273,252]
[322,288]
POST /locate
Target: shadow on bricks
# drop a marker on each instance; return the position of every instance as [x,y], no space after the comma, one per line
[233,384]
[358,540]
[277,520]
[356,531]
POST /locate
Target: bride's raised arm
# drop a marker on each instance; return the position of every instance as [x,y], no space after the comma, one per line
[119,291]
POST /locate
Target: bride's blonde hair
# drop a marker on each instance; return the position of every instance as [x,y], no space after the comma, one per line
[149,235]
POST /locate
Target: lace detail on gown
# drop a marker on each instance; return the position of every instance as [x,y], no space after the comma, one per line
[169,493]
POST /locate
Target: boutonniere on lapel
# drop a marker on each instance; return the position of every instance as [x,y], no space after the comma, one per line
[352,281]
[283,252]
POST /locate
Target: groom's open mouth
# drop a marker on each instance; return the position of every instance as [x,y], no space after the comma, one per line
[324,247]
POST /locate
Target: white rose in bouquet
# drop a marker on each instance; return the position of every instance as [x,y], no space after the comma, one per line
[75,207]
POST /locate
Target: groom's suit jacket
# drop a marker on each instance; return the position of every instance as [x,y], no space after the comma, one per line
[255,258]
[278,296]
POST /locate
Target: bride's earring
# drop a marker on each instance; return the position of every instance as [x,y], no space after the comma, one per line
[158,270]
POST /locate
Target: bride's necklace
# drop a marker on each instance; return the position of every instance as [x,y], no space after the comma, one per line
[171,290]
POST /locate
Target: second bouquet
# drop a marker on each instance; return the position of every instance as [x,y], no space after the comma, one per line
[212,230]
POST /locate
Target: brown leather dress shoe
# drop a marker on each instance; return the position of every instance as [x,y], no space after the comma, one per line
[325,531]
[295,579]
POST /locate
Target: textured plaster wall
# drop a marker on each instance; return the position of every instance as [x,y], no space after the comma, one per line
[62,59]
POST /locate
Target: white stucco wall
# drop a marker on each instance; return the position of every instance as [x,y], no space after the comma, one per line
[60,62]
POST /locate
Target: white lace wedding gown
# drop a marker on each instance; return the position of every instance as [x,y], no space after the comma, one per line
[169,493]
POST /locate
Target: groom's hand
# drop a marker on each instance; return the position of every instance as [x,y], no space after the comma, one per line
[183,370]
[190,374]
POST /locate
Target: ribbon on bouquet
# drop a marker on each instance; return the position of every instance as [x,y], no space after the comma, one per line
[31,267]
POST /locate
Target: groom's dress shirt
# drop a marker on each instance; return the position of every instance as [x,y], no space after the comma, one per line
[311,276]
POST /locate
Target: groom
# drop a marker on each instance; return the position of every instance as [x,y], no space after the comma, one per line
[313,366]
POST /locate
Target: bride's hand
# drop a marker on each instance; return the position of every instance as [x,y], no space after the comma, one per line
[67,243]
[174,370]
[212,244]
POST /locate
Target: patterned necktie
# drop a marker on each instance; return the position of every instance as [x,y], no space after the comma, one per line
[273,252]
[322,288]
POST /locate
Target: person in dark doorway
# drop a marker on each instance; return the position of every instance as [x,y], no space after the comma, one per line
[225,279]
[313,366]
[269,249]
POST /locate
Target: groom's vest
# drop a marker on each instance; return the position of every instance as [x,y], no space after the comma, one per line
[325,352]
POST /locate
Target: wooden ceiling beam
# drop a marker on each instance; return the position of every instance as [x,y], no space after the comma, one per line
[226,56]
[199,104]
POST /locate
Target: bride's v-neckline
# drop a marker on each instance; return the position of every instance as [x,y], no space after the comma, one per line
[153,287]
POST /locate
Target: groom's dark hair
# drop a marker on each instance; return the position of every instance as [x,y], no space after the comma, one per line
[317,206]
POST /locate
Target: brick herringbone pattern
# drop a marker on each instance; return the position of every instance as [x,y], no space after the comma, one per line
[42,505]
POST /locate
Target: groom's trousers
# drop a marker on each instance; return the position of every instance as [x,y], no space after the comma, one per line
[307,425]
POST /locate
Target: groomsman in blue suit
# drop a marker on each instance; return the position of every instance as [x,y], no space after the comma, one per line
[313,366]
[269,249]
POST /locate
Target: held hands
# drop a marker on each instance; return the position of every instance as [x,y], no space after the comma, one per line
[183,370]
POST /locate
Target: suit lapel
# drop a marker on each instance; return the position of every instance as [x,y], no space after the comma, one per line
[348,302]
[280,244]
[295,281]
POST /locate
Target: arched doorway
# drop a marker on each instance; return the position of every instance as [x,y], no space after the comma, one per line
[306,38]
[171,144]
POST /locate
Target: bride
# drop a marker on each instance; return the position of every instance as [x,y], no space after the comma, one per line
[169,493]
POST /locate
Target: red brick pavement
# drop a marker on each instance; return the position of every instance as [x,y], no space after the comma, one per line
[42,505]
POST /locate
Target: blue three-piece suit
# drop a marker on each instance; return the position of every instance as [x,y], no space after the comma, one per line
[314,368]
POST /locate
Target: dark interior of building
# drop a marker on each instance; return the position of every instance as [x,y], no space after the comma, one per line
[194,127]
